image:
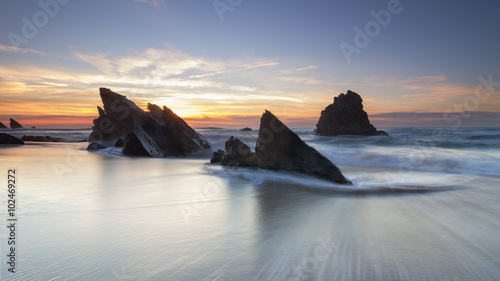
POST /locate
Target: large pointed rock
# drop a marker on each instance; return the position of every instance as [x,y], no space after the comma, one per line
[2,126]
[280,149]
[345,116]
[8,139]
[157,133]
[14,124]
[116,119]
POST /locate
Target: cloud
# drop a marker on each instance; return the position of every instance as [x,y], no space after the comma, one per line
[190,85]
[12,49]
[304,80]
[197,87]
[156,3]
[232,72]
[293,70]
[99,61]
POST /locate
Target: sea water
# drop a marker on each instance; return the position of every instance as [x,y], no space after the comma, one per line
[424,205]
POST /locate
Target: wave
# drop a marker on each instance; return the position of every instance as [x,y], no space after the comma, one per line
[467,151]
[473,151]
[365,181]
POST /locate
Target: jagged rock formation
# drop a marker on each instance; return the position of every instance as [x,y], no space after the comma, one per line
[278,148]
[14,124]
[2,126]
[40,138]
[157,133]
[95,146]
[217,156]
[346,117]
[8,139]
[119,142]
[238,154]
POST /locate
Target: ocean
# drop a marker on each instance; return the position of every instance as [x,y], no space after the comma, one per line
[424,205]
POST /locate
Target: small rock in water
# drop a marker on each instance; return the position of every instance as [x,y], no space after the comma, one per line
[217,156]
[119,142]
[40,138]
[238,154]
[95,146]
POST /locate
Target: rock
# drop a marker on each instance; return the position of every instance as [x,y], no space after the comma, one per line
[346,117]
[14,124]
[119,142]
[181,139]
[2,126]
[8,139]
[40,138]
[246,129]
[217,156]
[280,149]
[33,127]
[95,146]
[238,154]
[116,119]
[159,132]
[139,143]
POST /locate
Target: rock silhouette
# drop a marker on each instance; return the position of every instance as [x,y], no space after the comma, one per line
[8,139]
[157,133]
[2,126]
[14,124]
[280,149]
[346,117]
[40,138]
[217,156]
[238,154]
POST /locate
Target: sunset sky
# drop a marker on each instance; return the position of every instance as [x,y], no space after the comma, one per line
[223,62]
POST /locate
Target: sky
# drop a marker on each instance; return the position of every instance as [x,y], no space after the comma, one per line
[419,63]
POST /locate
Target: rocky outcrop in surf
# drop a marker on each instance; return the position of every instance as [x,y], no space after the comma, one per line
[8,139]
[40,138]
[2,126]
[14,124]
[345,116]
[238,154]
[157,133]
[217,156]
[280,149]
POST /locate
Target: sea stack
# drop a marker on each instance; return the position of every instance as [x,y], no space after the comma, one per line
[345,116]
[280,149]
[157,133]
[14,124]
[2,126]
